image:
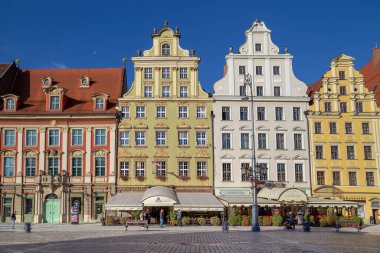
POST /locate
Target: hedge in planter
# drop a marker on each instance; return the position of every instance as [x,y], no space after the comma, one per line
[201,221]
[245,220]
[277,220]
[186,220]
[215,221]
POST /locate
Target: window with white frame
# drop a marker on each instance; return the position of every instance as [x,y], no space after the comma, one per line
[125,112]
[99,103]
[10,104]
[100,166]
[53,165]
[226,140]
[365,128]
[54,102]
[160,138]
[336,177]
[140,138]
[350,153]
[281,172]
[343,90]
[352,178]
[165,91]
[298,141]
[183,91]
[226,171]
[226,113]
[242,91]
[319,152]
[140,168]
[245,171]
[161,112]
[296,113]
[183,169]
[201,138]
[31,138]
[367,153]
[182,138]
[76,166]
[263,171]
[100,137]
[259,70]
[277,91]
[243,113]
[140,111]
[201,112]
[298,172]
[201,169]
[261,113]
[276,70]
[161,169]
[262,141]
[124,138]
[53,137]
[258,47]
[370,178]
[9,137]
[30,166]
[343,106]
[279,113]
[9,167]
[348,127]
[148,73]
[165,50]
[328,107]
[241,70]
[334,152]
[320,178]
[165,73]
[124,169]
[342,75]
[317,127]
[259,91]
[182,112]
[280,141]
[244,140]
[148,91]
[359,106]
[77,137]
[183,73]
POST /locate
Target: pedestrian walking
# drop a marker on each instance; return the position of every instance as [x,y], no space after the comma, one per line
[179,217]
[162,218]
[371,221]
[300,217]
[13,220]
[291,218]
[147,216]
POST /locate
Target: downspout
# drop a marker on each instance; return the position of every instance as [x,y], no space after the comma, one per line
[306,113]
[213,151]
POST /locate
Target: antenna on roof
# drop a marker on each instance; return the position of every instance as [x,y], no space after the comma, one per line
[124,61]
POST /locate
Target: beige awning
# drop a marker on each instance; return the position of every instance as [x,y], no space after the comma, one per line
[247,201]
[316,202]
[283,194]
[125,201]
[159,196]
[198,201]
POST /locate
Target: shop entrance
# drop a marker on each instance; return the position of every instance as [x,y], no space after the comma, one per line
[155,213]
[7,209]
[375,215]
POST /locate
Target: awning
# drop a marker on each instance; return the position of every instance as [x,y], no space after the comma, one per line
[125,201]
[316,202]
[247,201]
[198,201]
[159,196]
[283,194]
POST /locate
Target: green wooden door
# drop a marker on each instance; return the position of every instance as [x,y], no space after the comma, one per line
[51,211]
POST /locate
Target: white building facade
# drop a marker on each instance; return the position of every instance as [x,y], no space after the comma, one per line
[280,126]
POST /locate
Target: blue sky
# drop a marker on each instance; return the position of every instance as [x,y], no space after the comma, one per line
[97,34]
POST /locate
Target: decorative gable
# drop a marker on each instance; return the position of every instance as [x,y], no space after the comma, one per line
[262,128]
[282,157]
[264,156]
[299,129]
[299,157]
[227,128]
[280,128]
[227,156]
[245,128]
[55,98]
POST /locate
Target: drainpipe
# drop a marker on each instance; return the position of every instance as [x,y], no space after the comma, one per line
[213,151]
[306,113]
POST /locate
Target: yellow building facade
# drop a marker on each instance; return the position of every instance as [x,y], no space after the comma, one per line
[343,130]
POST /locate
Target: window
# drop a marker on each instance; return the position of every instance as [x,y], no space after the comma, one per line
[258,47]
[317,127]
[343,90]
[201,112]
[53,137]
[183,169]
[182,112]
[165,49]
[165,91]
[280,141]
[124,169]
[242,91]
[296,113]
[348,127]
[165,73]
[298,141]
[28,206]
[261,113]
[226,113]
[367,153]
[319,152]
[332,127]
[334,152]
[140,112]
[183,73]
[148,73]
[30,166]
[226,171]
[241,70]
[100,166]
[350,153]
[182,138]
[100,137]
[161,112]
[124,138]
[281,172]
[359,107]
[76,137]
[161,169]
[9,166]
[54,102]
[244,141]
[125,112]
[262,141]
[31,138]
[201,138]
[140,169]
[201,169]
[10,104]
[259,70]
[259,91]
[140,138]
[245,171]
[279,113]
[370,178]
[352,178]
[365,128]
[226,140]
[160,138]
[328,107]
[343,106]
[342,75]
[277,91]
[336,177]
[276,70]
[76,166]
[99,103]
[53,165]
[148,91]
[183,92]
[320,177]
[299,172]
[263,171]
[243,113]
[9,137]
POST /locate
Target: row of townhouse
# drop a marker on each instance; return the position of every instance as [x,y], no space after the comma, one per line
[79,137]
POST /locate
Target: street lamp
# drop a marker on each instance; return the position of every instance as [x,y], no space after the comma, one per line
[255,206]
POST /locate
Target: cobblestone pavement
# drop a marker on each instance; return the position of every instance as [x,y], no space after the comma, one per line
[95,238]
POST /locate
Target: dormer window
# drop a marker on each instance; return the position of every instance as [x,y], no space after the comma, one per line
[84,81]
[10,104]
[99,104]
[46,81]
[166,49]
[100,101]
[54,102]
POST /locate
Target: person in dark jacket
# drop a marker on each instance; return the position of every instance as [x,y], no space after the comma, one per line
[147,216]
[13,220]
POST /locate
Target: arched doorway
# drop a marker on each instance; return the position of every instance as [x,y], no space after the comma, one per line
[51,209]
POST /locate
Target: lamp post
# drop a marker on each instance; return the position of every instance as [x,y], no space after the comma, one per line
[255,206]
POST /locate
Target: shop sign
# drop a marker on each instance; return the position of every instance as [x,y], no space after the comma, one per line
[293,195]
[234,192]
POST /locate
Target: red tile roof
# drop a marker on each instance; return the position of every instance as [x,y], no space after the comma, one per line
[3,68]
[371,74]
[29,88]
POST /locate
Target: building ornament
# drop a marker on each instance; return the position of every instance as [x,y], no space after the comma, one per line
[8,152]
[183,154]
[140,125]
[161,153]
[100,152]
[202,154]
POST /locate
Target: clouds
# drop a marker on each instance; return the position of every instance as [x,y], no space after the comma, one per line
[57,65]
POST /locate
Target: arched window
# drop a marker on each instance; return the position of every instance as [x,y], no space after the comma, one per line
[165,49]
[10,105]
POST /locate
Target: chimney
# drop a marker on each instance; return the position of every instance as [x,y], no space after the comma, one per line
[376,56]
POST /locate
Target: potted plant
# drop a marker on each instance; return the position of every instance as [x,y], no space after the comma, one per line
[277,220]
[245,220]
[186,220]
[201,221]
[215,221]
[136,215]
[173,218]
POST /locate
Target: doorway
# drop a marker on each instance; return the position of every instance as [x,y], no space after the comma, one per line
[7,209]
[52,209]
[155,213]
[375,215]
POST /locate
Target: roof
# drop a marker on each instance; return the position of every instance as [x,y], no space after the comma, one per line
[125,201]
[3,68]
[198,201]
[107,80]
[8,74]
[371,74]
